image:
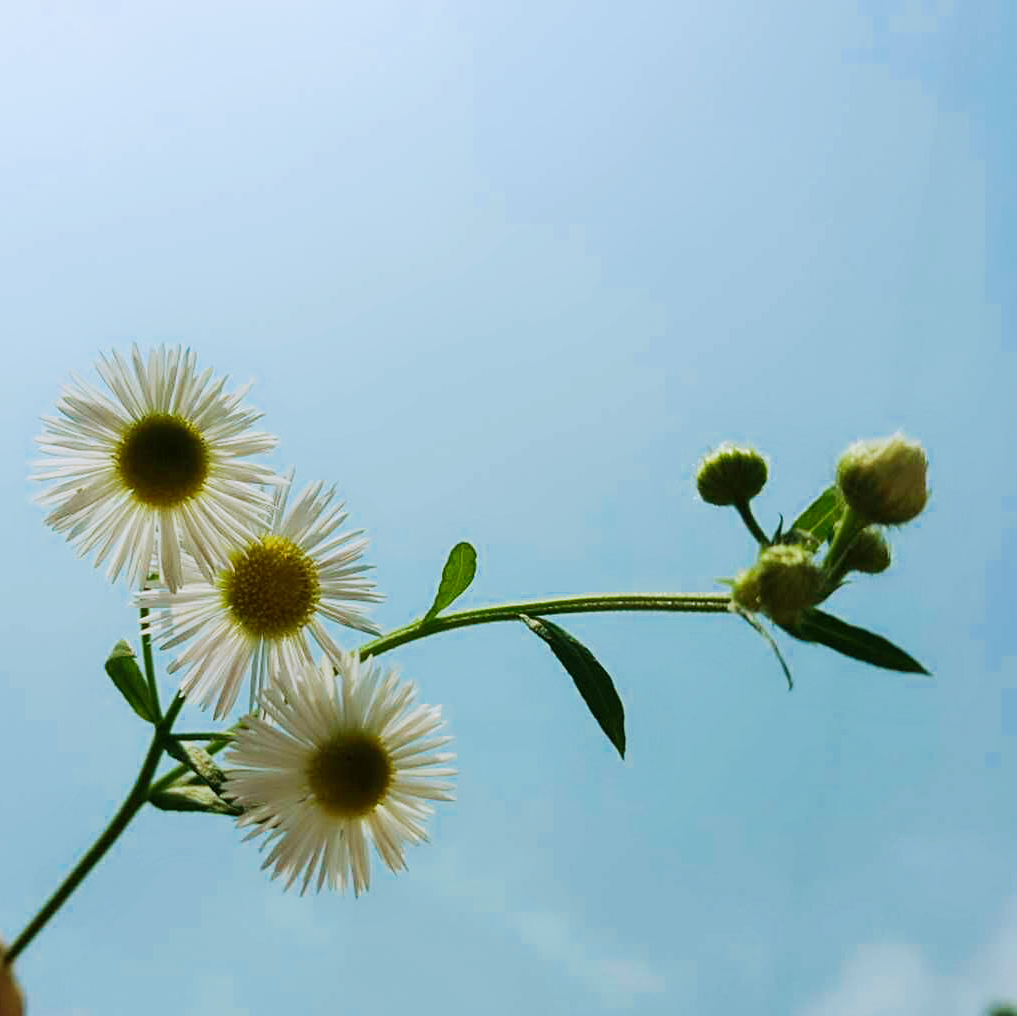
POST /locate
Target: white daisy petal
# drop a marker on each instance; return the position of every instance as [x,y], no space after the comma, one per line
[319,781]
[273,594]
[160,460]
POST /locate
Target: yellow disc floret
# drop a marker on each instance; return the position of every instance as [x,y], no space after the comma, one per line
[162,460]
[350,774]
[271,588]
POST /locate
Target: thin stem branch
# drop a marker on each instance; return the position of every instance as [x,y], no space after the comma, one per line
[146,652]
[743,509]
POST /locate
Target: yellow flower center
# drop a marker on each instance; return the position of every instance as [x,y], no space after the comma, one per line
[351,774]
[272,588]
[163,460]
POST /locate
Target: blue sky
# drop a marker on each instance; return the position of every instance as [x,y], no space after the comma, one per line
[503,272]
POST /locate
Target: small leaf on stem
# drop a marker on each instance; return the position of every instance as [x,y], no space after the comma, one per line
[122,667]
[456,577]
[821,517]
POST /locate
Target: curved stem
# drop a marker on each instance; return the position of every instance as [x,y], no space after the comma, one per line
[132,804]
[690,603]
[743,509]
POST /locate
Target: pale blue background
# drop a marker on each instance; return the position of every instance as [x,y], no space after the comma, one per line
[504,271]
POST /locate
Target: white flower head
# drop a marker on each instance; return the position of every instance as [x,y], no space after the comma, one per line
[157,465]
[339,760]
[257,612]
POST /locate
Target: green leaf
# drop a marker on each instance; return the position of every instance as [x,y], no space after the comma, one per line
[592,680]
[122,667]
[822,515]
[818,626]
[192,799]
[456,577]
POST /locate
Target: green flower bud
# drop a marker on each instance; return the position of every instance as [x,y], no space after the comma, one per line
[781,584]
[869,552]
[731,475]
[884,480]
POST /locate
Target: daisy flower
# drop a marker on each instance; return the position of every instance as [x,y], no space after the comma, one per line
[257,612]
[340,760]
[157,464]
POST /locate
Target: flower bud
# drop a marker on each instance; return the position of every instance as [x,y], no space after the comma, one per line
[730,475]
[781,584]
[884,480]
[869,553]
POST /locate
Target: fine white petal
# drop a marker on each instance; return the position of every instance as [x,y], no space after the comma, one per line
[91,501]
[305,842]
[197,616]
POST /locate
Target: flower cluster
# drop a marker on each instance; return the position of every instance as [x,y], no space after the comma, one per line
[154,476]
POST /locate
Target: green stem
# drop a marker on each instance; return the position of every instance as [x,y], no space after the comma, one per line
[850,525]
[743,509]
[691,603]
[146,652]
[132,805]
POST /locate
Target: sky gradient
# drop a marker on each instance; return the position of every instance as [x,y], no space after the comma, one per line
[503,273]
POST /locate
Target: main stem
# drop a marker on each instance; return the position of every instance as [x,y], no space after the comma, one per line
[131,806]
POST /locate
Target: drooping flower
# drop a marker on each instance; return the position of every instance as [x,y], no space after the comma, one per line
[339,760]
[158,464]
[256,614]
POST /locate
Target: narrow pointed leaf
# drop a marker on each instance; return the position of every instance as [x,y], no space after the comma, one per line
[122,667]
[592,680]
[822,515]
[456,577]
[859,644]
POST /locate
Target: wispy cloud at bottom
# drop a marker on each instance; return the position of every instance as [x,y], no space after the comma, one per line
[896,979]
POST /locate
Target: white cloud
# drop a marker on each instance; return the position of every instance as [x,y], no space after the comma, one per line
[896,979]
[618,980]
[618,977]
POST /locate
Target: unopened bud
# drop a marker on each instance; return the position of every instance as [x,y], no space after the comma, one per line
[869,553]
[884,480]
[731,475]
[781,584]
